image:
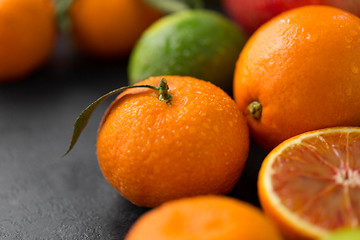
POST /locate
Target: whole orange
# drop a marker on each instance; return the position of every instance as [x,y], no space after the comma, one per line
[27,34]
[300,72]
[204,218]
[109,28]
[152,151]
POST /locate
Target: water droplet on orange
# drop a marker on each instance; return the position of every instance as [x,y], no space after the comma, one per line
[354,33]
[348,39]
[311,38]
[355,69]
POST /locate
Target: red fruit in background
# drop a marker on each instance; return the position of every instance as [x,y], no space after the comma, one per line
[352,6]
[251,14]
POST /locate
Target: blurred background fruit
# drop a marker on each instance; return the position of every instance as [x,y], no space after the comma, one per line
[152,151]
[27,34]
[109,28]
[204,218]
[352,6]
[299,72]
[251,14]
[199,43]
[310,185]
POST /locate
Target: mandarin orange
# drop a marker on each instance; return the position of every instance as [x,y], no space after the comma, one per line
[300,72]
[154,151]
[109,28]
[204,218]
[27,35]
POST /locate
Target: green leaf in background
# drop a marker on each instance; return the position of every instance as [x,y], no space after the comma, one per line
[62,16]
[171,6]
[196,3]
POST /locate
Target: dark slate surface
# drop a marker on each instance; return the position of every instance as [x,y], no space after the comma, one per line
[45,196]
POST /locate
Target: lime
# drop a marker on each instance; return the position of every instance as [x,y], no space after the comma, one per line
[344,234]
[199,43]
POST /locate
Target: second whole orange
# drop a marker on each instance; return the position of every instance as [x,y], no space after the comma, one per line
[109,28]
[300,72]
[153,151]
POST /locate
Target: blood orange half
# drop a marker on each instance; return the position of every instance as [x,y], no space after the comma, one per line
[310,184]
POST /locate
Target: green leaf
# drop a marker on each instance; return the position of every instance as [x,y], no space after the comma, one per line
[62,16]
[196,3]
[169,6]
[84,117]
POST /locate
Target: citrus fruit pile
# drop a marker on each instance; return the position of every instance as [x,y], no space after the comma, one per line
[173,142]
[199,43]
[299,73]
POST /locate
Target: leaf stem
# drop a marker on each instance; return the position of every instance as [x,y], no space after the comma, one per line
[255,109]
[165,96]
